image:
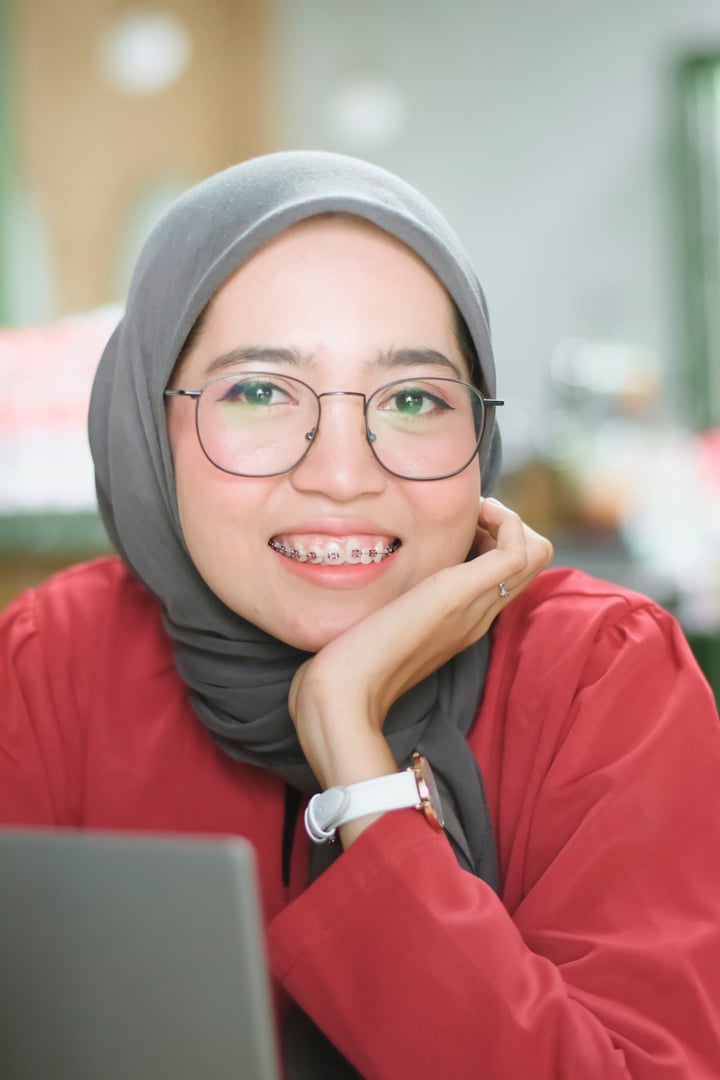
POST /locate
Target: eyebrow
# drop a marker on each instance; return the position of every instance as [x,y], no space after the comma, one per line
[246,353]
[387,359]
[398,358]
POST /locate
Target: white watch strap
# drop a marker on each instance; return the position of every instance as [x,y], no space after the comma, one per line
[338,805]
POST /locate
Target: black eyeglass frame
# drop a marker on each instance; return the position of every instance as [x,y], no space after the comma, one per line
[311,435]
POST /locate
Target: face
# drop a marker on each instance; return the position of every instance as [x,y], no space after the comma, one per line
[342,306]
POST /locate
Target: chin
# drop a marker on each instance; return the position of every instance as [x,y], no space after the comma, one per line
[311,641]
[314,633]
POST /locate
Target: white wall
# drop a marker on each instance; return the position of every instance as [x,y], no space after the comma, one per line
[542,128]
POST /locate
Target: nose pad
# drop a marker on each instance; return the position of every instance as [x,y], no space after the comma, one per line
[331,421]
[338,459]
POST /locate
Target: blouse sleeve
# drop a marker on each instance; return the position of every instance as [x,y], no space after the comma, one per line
[607,962]
[36,750]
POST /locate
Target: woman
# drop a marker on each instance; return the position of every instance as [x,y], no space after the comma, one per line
[294,433]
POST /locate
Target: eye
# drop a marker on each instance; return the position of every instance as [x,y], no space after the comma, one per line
[254,392]
[413,401]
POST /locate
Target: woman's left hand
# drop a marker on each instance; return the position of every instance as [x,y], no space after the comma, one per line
[339,698]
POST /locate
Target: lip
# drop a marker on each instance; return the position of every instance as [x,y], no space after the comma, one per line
[337,577]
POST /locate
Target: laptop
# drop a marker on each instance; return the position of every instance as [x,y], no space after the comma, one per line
[131,957]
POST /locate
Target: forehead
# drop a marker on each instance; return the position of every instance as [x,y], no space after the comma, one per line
[332,239]
[321,283]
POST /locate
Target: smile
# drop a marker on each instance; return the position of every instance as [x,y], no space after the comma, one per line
[334,552]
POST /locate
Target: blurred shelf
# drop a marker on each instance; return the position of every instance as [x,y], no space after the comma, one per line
[604,556]
[81,534]
[35,546]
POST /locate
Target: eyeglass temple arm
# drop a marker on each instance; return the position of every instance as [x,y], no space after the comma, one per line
[486,401]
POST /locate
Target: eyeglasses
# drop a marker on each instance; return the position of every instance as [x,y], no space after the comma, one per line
[263,424]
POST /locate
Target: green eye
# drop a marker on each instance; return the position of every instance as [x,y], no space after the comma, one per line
[414,401]
[258,393]
[410,401]
[253,393]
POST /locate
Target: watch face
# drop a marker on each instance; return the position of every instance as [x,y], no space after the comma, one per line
[431,804]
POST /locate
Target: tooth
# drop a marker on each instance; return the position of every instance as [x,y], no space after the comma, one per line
[353,552]
[333,553]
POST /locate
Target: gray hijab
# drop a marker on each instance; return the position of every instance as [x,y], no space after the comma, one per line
[237,675]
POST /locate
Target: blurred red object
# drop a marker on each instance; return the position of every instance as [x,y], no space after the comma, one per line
[46,372]
[710,456]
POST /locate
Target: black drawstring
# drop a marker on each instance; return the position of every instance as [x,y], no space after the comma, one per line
[293,798]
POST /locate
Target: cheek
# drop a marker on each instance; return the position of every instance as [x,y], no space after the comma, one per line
[447,518]
[216,514]
[222,547]
[207,498]
[216,511]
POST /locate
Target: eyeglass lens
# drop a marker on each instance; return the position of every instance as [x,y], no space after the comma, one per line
[263,424]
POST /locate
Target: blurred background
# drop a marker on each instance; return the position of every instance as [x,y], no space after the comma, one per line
[575,147]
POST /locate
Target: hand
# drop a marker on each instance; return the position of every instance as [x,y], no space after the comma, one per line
[339,698]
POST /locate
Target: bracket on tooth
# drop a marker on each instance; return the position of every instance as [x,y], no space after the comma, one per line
[332,556]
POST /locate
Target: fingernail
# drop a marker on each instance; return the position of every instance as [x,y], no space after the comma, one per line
[497,502]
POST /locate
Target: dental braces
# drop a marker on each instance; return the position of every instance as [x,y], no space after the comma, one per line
[332,556]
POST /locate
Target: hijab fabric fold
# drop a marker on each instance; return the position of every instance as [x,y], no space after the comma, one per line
[237,675]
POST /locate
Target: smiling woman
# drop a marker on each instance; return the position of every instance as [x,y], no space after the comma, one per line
[345,305]
[320,628]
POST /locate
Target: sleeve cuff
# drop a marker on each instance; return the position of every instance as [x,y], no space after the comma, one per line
[387,844]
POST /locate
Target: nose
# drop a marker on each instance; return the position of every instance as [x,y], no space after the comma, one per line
[340,463]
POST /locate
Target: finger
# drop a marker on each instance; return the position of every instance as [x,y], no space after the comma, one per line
[495,517]
[499,526]
[482,543]
[518,552]
[505,540]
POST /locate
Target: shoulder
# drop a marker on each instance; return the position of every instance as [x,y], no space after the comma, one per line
[567,592]
[82,609]
[593,707]
[82,589]
[84,662]
[570,633]
[567,608]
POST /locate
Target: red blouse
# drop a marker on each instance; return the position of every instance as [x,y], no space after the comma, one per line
[599,742]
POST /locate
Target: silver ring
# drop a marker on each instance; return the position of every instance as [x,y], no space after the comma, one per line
[503,590]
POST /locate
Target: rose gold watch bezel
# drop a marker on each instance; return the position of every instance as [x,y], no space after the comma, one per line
[430,803]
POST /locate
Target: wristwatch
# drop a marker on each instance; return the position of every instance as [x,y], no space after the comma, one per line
[414,787]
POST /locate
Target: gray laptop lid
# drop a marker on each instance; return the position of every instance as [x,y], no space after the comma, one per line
[128,957]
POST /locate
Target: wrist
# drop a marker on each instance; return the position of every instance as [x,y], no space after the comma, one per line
[351,808]
[347,752]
